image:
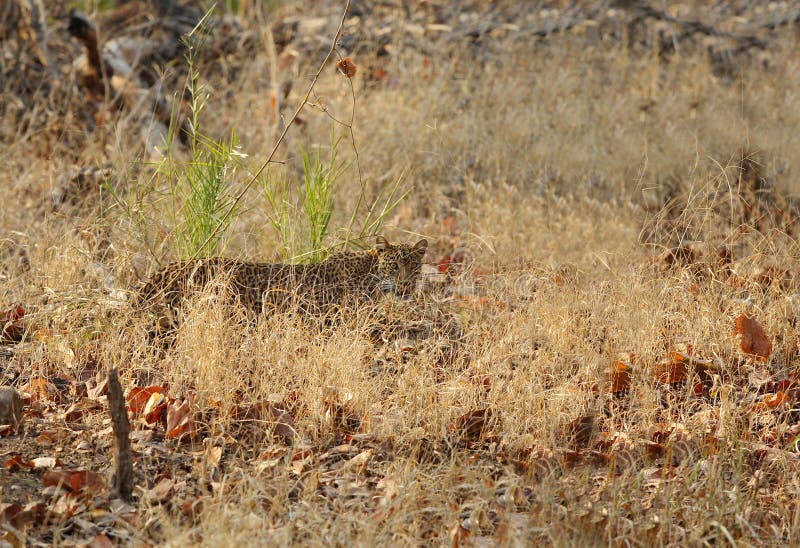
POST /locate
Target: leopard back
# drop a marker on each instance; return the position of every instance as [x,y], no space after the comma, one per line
[344,277]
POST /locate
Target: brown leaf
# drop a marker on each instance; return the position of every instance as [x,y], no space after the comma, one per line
[9,511]
[346,67]
[74,481]
[577,433]
[100,541]
[161,492]
[41,389]
[179,418]
[774,400]
[15,462]
[140,395]
[670,372]
[11,328]
[192,507]
[619,377]
[281,421]
[32,512]
[471,427]
[754,341]
[155,408]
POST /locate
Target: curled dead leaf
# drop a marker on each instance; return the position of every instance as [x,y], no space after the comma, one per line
[774,400]
[179,418]
[347,67]
[139,396]
[753,339]
[155,408]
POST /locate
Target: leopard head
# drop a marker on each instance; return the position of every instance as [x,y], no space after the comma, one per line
[398,266]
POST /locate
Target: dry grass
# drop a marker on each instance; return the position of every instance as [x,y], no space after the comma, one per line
[545,166]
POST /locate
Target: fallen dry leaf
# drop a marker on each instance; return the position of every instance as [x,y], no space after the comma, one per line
[774,400]
[11,328]
[139,396]
[100,541]
[40,463]
[577,433]
[74,481]
[670,372]
[41,389]
[155,408]
[619,377]
[15,462]
[161,492]
[9,511]
[179,418]
[471,427]
[754,341]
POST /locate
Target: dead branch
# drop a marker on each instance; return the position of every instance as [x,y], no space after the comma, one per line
[122,481]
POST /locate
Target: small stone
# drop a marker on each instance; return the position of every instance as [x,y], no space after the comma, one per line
[10,406]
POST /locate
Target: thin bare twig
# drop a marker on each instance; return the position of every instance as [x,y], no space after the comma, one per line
[249,184]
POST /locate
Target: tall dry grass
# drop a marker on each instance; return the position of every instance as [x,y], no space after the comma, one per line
[543,164]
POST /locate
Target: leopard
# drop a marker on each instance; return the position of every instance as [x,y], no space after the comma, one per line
[344,278]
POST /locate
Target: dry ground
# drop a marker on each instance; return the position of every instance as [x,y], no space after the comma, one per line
[600,213]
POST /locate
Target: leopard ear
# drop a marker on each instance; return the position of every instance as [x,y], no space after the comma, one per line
[421,246]
[382,243]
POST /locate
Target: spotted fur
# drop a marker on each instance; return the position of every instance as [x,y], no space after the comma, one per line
[346,277]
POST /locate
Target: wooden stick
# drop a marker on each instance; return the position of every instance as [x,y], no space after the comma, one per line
[122,481]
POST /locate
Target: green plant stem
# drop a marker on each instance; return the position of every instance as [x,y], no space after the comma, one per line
[238,198]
